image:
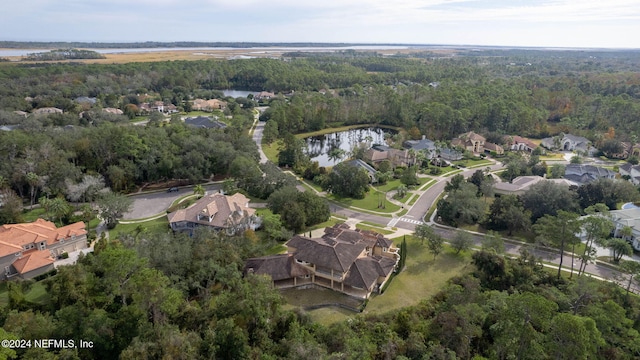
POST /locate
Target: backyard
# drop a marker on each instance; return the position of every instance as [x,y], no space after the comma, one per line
[422,278]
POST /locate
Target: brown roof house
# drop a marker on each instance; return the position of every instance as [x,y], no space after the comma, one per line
[354,262]
[397,157]
[218,211]
[470,141]
[493,148]
[30,249]
[208,105]
[518,143]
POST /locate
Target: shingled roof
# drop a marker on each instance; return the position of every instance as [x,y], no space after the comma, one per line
[221,208]
[365,271]
[279,267]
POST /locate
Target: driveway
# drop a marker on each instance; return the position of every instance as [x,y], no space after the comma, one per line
[257,133]
[149,204]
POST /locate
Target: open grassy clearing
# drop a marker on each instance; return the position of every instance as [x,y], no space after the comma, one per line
[157,226]
[422,277]
[370,202]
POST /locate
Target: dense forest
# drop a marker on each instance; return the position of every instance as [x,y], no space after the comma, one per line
[164,297]
[150,296]
[530,93]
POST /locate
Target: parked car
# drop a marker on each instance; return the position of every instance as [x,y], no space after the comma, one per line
[173,189]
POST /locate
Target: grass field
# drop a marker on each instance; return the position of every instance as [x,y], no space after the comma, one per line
[422,277]
[373,228]
[370,202]
[157,226]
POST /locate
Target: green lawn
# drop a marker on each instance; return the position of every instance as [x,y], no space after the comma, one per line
[393,184]
[373,228]
[472,162]
[33,215]
[157,226]
[370,202]
[37,294]
[271,150]
[422,277]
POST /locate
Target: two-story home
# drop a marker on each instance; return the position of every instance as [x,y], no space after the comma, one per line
[30,249]
[630,171]
[354,262]
[229,213]
[630,218]
[470,141]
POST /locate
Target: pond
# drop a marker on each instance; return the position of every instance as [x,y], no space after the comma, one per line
[237,93]
[340,144]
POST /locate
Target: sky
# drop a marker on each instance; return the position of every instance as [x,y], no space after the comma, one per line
[540,23]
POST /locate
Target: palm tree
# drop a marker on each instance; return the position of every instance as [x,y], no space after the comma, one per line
[198,190]
[335,154]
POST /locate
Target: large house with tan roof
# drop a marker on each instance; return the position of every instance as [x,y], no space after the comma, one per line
[218,211]
[354,262]
[30,249]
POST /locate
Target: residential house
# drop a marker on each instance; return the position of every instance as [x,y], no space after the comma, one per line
[354,262]
[264,95]
[583,174]
[630,171]
[521,184]
[424,144]
[30,249]
[518,143]
[363,165]
[158,106]
[208,105]
[47,111]
[397,157]
[470,141]
[630,218]
[229,213]
[568,142]
[450,154]
[205,122]
[493,148]
[113,111]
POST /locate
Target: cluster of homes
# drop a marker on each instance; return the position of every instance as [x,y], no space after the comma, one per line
[355,262]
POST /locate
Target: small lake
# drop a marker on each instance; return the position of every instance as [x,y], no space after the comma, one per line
[318,147]
[237,93]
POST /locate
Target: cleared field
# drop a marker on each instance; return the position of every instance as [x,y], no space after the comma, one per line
[422,277]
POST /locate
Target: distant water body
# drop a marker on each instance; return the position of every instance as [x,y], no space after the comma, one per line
[24,52]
